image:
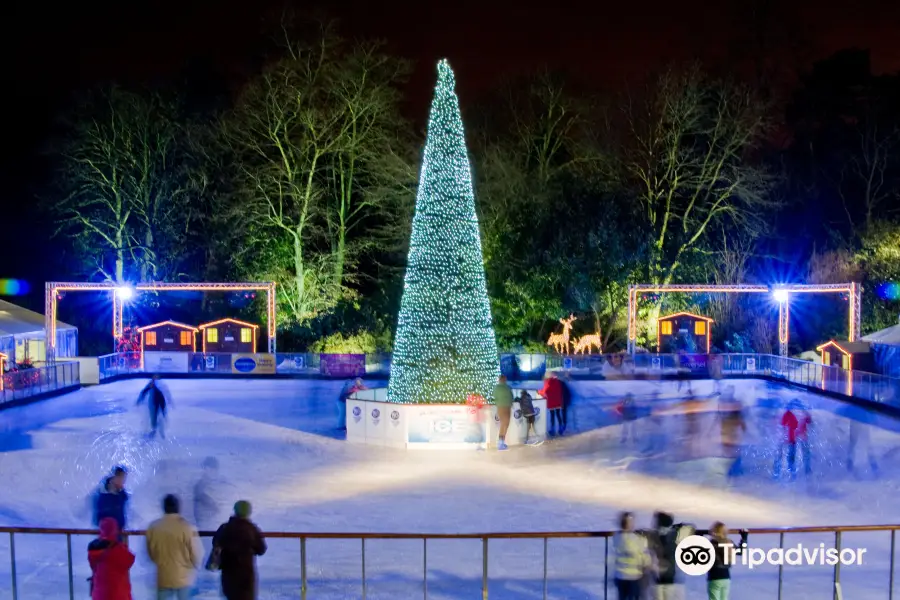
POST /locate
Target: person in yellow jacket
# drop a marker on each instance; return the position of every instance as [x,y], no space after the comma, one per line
[174,547]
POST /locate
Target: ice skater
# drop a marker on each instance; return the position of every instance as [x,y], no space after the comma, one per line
[733,428]
[627,411]
[112,499]
[553,392]
[350,388]
[565,383]
[860,438]
[527,408]
[157,402]
[795,425]
[503,399]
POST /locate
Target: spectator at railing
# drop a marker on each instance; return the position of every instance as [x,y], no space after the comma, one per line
[174,547]
[663,541]
[237,544]
[632,559]
[111,563]
[718,579]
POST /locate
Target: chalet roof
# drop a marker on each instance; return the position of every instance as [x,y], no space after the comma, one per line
[228,320]
[847,347]
[172,323]
[685,314]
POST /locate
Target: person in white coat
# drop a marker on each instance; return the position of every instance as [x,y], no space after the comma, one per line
[174,547]
[632,559]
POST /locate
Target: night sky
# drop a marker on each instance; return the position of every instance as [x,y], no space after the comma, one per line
[52,51]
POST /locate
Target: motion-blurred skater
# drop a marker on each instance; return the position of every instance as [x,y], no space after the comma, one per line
[350,388]
[157,403]
[628,411]
[860,439]
[112,499]
[734,427]
[795,425]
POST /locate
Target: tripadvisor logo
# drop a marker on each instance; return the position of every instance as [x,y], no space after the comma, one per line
[696,555]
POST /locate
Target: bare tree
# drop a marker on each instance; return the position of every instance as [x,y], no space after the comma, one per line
[307,138]
[867,179]
[692,159]
[370,156]
[122,177]
[729,267]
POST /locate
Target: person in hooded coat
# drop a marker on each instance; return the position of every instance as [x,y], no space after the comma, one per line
[240,541]
[112,499]
[111,562]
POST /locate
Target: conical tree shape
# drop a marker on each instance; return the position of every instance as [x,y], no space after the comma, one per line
[445,348]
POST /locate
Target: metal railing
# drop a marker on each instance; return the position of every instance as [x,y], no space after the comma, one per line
[19,385]
[858,384]
[484,539]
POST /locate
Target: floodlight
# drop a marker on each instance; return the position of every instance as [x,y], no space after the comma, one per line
[124,293]
[780,296]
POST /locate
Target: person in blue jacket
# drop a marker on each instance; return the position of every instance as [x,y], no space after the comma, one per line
[112,499]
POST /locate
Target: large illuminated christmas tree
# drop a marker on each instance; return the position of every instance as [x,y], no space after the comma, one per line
[445,347]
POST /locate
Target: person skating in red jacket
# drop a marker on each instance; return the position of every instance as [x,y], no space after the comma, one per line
[553,392]
[111,563]
[795,428]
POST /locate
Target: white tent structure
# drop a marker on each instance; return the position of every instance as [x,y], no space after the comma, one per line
[890,335]
[23,339]
[886,346]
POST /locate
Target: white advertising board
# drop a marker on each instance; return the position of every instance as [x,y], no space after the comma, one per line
[166,362]
[376,415]
[443,424]
[356,421]
[395,425]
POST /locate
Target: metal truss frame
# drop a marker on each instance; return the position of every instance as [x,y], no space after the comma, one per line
[52,289]
[784,308]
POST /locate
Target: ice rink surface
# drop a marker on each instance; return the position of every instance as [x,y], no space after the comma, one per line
[277,447]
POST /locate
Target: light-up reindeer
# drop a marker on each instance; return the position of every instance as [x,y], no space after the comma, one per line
[561,340]
[586,342]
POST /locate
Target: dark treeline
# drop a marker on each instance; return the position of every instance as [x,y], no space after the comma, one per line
[306,174]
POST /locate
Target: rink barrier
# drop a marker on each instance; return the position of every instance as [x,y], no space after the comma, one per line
[484,537]
[831,380]
[27,385]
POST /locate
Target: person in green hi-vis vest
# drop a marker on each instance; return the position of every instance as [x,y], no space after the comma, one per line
[503,398]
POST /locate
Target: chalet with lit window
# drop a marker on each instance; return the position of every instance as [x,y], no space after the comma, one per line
[683,324]
[852,356]
[229,335]
[168,336]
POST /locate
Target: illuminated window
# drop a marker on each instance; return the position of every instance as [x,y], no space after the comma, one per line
[185,338]
[212,335]
[700,328]
[245,335]
[826,357]
[150,338]
[666,328]
[845,361]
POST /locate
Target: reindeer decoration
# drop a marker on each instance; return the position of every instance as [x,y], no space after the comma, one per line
[561,340]
[586,342]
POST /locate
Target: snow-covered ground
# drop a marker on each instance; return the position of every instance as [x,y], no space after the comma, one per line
[277,446]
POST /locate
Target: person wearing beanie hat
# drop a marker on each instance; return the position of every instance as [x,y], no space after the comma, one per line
[239,542]
[242,509]
[663,541]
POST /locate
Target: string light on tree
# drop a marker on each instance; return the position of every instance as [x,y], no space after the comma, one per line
[445,349]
